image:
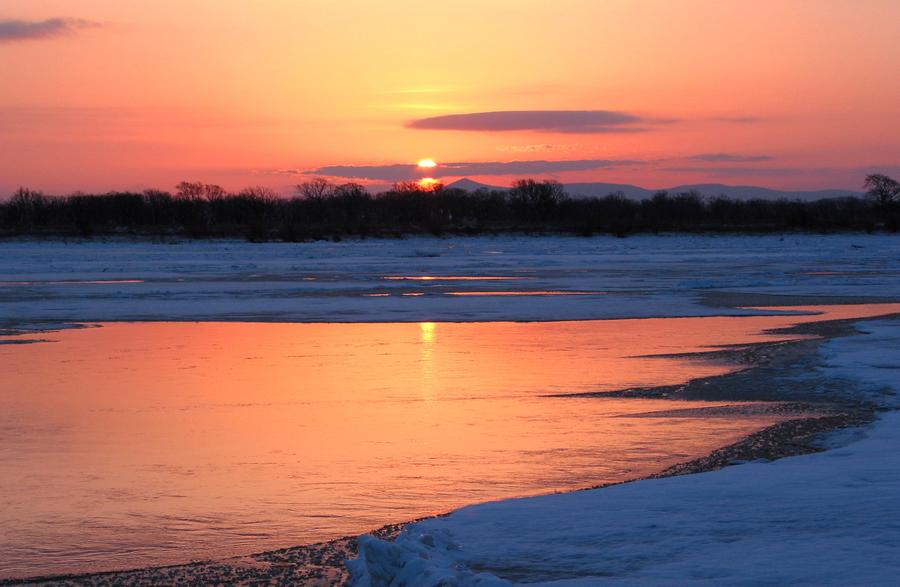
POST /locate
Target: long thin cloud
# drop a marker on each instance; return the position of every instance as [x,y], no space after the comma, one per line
[736,171]
[729,158]
[557,121]
[525,167]
[398,172]
[30,30]
[739,119]
[402,172]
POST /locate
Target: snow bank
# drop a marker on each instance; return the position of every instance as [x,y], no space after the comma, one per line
[871,361]
[831,518]
[345,282]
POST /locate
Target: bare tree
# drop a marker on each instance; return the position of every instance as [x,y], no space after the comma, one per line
[408,187]
[544,194]
[260,193]
[882,189]
[214,193]
[189,190]
[196,190]
[351,190]
[26,205]
[316,189]
[27,199]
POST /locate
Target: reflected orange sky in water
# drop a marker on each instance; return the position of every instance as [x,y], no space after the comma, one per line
[151,443]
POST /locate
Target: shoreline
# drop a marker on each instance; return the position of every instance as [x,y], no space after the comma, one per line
[759,307]
[761,365]
[337,234]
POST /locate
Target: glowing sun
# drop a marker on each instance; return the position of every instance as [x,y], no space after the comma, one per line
[427,163]
[428,184]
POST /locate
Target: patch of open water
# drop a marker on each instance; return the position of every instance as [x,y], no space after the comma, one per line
[137,444]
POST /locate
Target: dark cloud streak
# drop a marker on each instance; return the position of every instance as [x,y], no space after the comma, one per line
[526,167]
[558,121]
[27,30]
[736,171]
[401,172]
[396,172]
[729,158]
[739,119]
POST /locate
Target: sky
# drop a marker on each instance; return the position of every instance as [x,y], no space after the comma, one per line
[101,95]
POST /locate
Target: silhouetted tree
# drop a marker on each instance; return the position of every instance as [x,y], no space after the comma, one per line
[535,200]
[189,190]
[315,189]
[409,187]
[325,210]
[194,208]
[253,207]
[195,190]
[26,208]
[159,207]
[882,189]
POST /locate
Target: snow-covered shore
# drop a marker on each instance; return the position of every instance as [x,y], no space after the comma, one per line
[830,518]
[817,519]
[346,282]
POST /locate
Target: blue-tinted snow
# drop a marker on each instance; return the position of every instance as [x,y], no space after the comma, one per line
[231,280]
[831,518]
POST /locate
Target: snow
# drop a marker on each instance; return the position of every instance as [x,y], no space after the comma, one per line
[828,518]
[307,282]
[831,518]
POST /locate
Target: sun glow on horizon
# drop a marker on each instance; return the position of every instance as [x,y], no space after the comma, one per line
[429,183]
[128,116]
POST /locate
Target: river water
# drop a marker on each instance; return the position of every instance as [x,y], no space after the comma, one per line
[132,444]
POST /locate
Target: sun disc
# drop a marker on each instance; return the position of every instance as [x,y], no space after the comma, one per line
[428,183]
[427,163]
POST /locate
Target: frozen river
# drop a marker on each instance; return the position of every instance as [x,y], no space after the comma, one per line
[132,444]
[328,390]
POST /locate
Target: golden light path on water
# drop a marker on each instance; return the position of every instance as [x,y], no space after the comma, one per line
[134,444]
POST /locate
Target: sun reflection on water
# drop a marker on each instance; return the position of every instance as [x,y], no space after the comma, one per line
[428,331]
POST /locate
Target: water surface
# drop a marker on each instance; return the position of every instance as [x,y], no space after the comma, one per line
[132,444]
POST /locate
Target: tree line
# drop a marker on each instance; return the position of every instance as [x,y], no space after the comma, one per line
[323,210]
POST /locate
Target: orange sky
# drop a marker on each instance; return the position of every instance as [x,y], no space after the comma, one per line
[781,93]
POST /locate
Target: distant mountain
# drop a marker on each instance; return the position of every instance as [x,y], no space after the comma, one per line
[604,189]
[737,192]
[748,192]
[470,185]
